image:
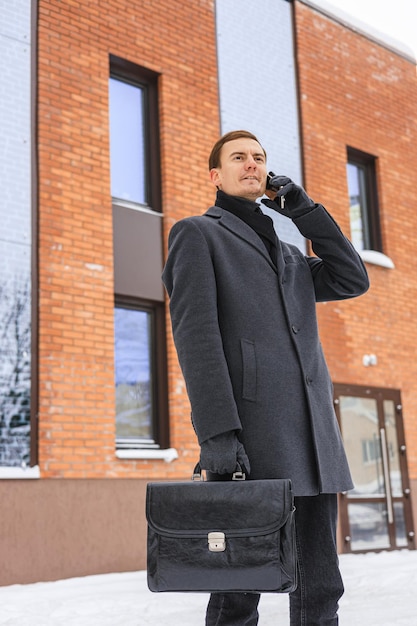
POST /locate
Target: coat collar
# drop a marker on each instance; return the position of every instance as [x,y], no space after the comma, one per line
[239,228]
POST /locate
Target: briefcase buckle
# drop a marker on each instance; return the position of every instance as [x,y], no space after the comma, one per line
[216,542]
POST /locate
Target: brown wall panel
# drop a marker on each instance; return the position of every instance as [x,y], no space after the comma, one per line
[137,253]
[51,529]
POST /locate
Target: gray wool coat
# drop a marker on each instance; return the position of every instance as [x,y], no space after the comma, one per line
[248,345]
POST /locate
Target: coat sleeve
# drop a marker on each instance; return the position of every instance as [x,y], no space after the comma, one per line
[190,281]
[338,271]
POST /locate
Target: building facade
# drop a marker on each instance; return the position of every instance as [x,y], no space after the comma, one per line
[358,131]
[106,138]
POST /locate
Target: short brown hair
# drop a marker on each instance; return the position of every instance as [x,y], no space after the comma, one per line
[214,158]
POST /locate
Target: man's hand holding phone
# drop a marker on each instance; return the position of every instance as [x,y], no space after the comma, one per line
[286,197]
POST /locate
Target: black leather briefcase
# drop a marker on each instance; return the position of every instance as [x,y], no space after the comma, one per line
[221,536]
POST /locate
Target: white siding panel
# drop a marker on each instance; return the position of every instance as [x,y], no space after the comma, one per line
[258,87]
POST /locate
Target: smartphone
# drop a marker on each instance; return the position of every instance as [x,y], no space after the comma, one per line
[269,186]
[268,180]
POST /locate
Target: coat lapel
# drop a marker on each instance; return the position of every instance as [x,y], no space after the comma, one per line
[240,229]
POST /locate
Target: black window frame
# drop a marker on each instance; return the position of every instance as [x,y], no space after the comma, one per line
[147,80]
[160,421]
[372,239]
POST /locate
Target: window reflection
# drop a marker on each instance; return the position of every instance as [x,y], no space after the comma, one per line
[393,448]
[133,368]
[15,366]
[358,208]
[359,418]
[400,530]
[368,526]
[127,142]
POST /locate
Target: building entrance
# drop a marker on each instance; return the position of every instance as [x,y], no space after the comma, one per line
[376,514]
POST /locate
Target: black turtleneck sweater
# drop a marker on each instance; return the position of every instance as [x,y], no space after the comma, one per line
[250,212]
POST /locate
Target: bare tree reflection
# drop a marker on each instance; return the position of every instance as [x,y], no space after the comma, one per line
[15,383]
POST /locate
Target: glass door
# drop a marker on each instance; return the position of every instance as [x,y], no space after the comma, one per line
[376,514]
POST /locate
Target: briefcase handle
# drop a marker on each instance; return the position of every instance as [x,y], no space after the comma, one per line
[238,474]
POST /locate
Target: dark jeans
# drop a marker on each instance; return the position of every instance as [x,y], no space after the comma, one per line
[320,586]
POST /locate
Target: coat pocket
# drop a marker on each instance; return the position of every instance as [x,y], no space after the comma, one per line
[248,370]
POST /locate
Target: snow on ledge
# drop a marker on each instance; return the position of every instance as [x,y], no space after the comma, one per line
[168,455]
[376,258]
[20,472]
[363,28]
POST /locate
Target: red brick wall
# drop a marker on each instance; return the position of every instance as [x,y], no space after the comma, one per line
[76,378]
[354,92]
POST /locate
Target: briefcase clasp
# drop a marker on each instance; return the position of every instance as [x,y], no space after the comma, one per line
[216,542]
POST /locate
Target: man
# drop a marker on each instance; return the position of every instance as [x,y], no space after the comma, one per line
[243,310]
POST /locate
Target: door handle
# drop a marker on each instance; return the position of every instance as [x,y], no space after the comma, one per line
[386,475]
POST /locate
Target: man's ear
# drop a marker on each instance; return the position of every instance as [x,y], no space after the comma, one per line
[215,177]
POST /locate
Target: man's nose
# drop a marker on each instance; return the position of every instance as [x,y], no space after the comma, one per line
[250,161]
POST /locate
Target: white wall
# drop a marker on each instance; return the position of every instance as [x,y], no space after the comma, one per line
[257,83]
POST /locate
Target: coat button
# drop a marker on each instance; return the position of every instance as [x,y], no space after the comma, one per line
[309,380]
[294,329]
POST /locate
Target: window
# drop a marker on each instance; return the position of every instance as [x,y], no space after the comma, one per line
[127,141]
[134,136]
[139,367]
[140,334]
[15,364]
[370,451]
[363,199]
[18,248]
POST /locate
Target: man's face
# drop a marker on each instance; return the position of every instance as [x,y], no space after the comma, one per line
[242,170]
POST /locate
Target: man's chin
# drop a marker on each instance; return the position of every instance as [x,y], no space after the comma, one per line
[252,192]
[250,196]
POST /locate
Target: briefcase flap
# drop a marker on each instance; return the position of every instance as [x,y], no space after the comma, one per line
[238,508]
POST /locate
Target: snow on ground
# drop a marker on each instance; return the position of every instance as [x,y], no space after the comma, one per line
[380,591]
